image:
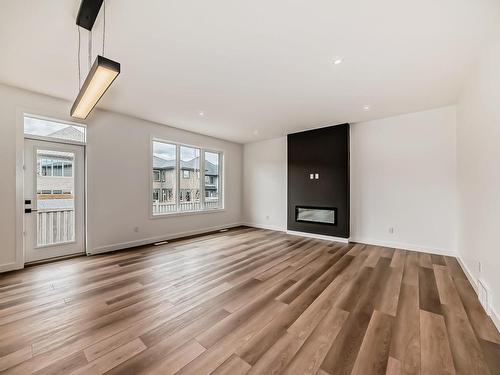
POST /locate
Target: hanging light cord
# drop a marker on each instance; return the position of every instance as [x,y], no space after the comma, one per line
[90,46]
[78,58]
[104,26]
[90,49]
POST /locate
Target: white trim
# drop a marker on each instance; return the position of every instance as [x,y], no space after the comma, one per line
[152,240]
[19,227]
[10,267]
[495,317]
[318,236]
[53,140]
[264,226]
[21,113]
[468,273]
[406,246]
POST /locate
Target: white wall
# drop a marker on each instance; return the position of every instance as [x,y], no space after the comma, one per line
[403,175]
[118,156]
[264,183]
[478,147]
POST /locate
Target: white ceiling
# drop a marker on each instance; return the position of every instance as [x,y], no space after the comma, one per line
[257,69]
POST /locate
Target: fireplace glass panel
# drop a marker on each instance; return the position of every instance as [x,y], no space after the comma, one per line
[316,215]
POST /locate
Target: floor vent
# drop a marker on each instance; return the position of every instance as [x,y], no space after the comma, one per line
[483,293]
[160,243]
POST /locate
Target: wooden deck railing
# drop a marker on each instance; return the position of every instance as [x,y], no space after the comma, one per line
[55,226]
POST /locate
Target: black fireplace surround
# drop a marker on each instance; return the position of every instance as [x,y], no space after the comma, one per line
[318,181]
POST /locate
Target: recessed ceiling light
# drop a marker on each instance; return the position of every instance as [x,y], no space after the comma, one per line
[201,113]
[366,107]
[338,61]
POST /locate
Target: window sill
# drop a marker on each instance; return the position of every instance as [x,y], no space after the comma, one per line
[186,213]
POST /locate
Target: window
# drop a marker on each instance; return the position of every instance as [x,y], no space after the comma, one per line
[177,168]
[187,196]
[156,176]
[164,178]
[57,166]
[50,166]
[190,183]
[212,180]
[46,167]
[166,195]
[38,127]
[68,169]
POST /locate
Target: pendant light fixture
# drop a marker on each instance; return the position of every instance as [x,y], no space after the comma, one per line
[102,73]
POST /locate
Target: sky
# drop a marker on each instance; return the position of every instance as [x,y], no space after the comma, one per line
[167,151]
[37,126]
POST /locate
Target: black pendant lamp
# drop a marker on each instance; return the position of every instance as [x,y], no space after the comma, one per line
[102,73]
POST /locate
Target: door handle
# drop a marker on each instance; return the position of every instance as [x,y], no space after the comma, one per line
[29,210]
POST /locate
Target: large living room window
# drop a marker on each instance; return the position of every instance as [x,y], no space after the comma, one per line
[180,184]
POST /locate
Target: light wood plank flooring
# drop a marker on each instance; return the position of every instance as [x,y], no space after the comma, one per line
[246,301]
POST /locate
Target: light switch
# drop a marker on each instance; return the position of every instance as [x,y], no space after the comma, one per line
[316,176]
[311,176]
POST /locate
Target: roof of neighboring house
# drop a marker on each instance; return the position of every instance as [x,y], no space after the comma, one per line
[69,133]
[160,163]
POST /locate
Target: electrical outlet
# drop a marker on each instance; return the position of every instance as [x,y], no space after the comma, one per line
[391,230]
[136,229]
[267,217]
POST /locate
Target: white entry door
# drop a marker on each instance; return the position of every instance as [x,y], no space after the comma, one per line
[54,218]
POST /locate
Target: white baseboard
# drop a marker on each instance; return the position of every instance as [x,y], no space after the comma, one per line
[264,226]
[494,315]
[10,267]
[406,246]
[468,273]
[295,233]
[151,240]
[318,236]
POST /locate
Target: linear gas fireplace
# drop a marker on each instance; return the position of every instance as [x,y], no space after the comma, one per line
[319,215]
[318,181]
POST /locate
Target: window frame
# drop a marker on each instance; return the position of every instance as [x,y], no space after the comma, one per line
[50,163]
[178,177]
[155,171]
[65,165]
[52,139]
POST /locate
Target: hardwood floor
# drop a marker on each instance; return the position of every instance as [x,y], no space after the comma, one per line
[246,301]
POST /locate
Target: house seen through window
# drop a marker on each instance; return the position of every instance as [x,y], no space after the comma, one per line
[179,182]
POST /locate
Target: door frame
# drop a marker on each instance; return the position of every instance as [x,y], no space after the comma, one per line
[60,116]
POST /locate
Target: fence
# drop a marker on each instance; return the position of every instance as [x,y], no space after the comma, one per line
[55,226]
[166,207]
